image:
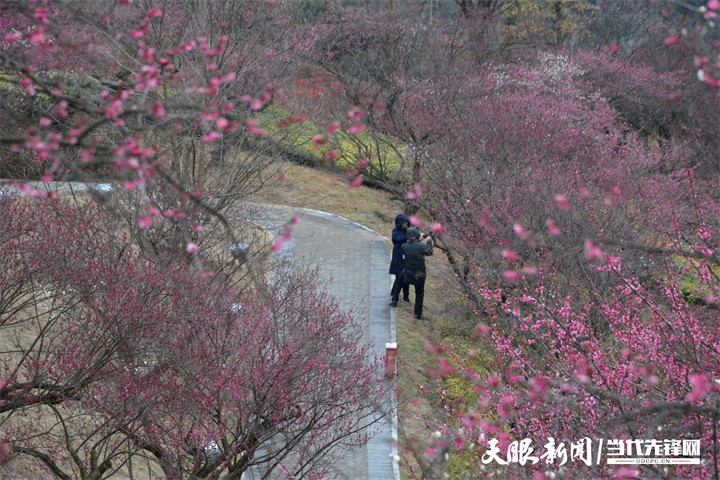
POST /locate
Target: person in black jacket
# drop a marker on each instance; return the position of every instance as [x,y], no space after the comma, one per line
[415,273]
[397,264]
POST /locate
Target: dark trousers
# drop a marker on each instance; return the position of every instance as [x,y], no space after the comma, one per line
[398,285]
[419,293]
[419,296]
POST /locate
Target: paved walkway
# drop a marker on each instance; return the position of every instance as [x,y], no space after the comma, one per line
[353,261]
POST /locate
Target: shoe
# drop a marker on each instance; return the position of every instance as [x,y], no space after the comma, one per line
[417,317]
[393,304]
[406,300]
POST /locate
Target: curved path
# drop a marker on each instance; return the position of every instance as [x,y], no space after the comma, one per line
[353,261]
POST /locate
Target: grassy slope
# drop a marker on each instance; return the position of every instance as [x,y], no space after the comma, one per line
[321,190]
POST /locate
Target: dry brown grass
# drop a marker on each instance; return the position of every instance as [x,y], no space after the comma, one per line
[306,187]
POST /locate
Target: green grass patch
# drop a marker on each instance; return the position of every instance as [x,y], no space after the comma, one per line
[461,465]
[9,84]
[386,156]
[697,279]
[74,84]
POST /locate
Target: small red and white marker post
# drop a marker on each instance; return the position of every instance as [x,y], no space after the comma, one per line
[390,359]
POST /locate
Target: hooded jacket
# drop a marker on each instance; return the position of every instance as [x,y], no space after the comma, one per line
[399,237]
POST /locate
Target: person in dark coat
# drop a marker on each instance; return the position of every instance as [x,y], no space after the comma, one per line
[397,264]
[415,273]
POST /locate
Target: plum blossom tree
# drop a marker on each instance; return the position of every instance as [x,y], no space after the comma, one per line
[406,76]
[562,187]
[168,106]
[591,274]
[116,364]
[657,91]
[581,222]
[113,362]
